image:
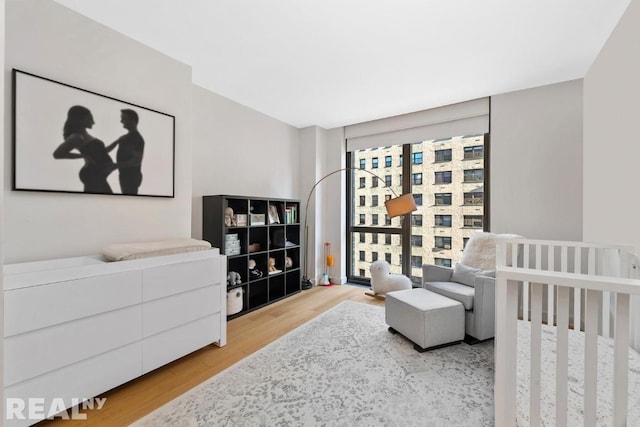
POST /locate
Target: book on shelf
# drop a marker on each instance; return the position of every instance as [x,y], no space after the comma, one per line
[290,215]
[274,218]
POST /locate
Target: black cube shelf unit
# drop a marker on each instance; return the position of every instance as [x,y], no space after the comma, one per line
[263,228]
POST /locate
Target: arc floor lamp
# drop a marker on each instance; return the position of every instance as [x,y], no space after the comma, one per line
[396,206]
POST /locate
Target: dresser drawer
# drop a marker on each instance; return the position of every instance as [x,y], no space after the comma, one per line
[166,313]
[36,307]
[162,281]
[88,378]
[35,353]
[170,345]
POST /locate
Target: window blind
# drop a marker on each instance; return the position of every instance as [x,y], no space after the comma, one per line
[464,118]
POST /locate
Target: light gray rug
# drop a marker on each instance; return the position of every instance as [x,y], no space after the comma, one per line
[342,368]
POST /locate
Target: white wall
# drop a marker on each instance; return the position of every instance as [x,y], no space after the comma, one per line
[536,162]
[2,124]
[612,137]
[44,38]
[239,151]
[612,145]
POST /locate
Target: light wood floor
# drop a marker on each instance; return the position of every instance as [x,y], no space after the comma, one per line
[245,335]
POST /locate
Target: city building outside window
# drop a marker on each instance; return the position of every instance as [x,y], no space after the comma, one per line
[443,220]
[475,152]
[374,163]
[362,239]
[443,155]
[443,242]
[473,198]
[362,200]
[416,158]
[473,221]
[444,262]
[416,261]
[443,177]
[443,199]
[445,217]
[473,175]
[363,163]
[362,255]
[374,219]
[374,256]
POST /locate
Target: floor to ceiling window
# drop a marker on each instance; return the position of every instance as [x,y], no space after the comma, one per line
[448,180]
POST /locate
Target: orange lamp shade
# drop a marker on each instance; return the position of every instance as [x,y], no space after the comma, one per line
[401,205]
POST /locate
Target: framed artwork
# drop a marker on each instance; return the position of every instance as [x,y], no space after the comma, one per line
[71,140]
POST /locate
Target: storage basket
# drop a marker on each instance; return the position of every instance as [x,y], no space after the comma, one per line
[234,301]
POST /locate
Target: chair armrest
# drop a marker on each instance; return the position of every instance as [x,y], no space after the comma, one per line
[484,307]
[436,273]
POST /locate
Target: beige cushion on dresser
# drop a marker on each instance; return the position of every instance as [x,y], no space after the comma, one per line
[139,250]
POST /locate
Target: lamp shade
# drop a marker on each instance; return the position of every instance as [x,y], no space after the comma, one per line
[401,205]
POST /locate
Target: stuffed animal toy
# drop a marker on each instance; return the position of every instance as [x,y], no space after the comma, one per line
[382,281]
[272,264]
[233,278]
[254,273]
[288,262]
[229,219]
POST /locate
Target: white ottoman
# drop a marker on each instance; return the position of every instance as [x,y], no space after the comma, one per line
[428,319]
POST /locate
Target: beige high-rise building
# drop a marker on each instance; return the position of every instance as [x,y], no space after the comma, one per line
[447,182]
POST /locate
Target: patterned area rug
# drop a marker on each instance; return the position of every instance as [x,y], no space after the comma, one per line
[342,368]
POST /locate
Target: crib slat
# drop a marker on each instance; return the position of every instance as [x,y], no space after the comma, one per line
[606,314]
[621,360]
[506,352]
[537,290]
[591,356]
[562,356]
[550,287]
[525,285]
[577,293]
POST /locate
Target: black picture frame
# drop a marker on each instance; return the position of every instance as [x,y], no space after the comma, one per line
[42,107]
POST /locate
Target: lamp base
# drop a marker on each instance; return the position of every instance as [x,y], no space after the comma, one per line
[306,283]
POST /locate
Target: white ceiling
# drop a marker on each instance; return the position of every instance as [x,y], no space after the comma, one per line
[337,62]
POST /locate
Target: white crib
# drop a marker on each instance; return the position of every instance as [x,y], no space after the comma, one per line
[587,288]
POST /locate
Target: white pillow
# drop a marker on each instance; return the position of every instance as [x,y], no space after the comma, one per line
[467,275]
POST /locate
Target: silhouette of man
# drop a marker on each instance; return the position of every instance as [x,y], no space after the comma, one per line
[130,152]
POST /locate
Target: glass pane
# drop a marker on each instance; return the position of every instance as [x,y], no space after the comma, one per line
[453,199]
[375,246]
[375,187]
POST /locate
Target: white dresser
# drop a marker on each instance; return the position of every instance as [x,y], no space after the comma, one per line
[77,327]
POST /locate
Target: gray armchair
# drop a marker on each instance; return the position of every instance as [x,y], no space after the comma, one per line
[472,282]
[474,288]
